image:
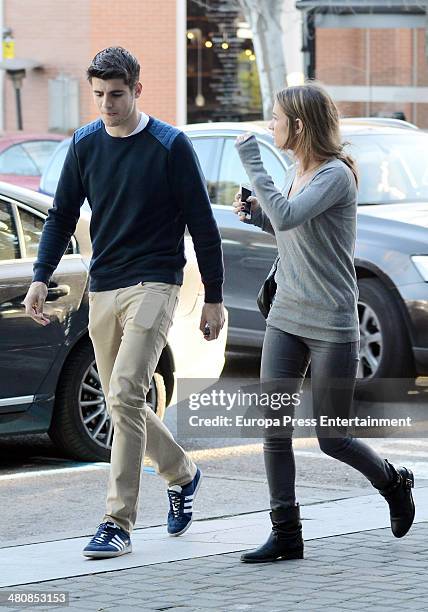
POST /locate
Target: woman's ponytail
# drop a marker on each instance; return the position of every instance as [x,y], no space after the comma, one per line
[349,161]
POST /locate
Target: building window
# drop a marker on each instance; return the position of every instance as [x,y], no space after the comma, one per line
[222,77]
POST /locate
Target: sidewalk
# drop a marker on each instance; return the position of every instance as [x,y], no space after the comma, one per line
[352,561]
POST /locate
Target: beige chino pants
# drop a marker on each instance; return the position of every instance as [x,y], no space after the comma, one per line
[128,328]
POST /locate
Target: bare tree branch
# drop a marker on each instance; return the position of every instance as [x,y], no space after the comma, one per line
[264,19]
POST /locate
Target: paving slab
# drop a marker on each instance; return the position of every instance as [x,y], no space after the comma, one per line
[152,546]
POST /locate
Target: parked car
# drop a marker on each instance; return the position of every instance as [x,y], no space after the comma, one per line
[23,157]
[48,375]
[391,256]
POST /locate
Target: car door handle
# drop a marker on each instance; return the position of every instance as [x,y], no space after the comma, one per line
[54,293]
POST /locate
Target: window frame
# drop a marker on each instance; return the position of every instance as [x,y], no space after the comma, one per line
[18,145]
[217,157]
[225,133]
[62,145]
[20,232]
[26,143]
[261,142]
[17,228]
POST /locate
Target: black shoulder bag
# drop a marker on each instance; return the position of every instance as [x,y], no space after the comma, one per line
[268,290]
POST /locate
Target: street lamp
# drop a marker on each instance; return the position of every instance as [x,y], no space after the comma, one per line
[16,71]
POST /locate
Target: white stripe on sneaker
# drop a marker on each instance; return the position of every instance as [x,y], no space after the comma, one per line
[117,540]
[117,537]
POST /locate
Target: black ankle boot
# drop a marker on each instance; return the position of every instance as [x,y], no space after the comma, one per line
[400,500]
[285,540]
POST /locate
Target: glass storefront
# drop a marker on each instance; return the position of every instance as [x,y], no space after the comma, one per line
[222,77]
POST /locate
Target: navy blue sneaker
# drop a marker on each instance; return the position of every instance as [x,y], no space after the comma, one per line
[109,541]
[181,500]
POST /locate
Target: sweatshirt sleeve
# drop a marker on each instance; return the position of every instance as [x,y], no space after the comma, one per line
[328,187]
[62,218]
[189,187]
[260,219]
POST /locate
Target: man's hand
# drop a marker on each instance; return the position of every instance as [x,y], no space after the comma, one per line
[213,317]
[34,302]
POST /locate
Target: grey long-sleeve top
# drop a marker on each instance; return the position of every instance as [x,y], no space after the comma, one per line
[315,231]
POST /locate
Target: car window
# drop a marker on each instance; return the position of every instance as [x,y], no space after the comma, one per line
[232,172]
[207,150]
[15,160]
[9,244]
[40,151]
[32,227]
[52,172]
[273,166]
[392,167]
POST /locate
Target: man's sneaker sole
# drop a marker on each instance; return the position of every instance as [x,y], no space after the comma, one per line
[99,554]
[179,533]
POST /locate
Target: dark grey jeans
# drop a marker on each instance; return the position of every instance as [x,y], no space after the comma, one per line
[285,359]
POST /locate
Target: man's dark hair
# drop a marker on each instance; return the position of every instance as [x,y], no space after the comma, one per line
[115,63]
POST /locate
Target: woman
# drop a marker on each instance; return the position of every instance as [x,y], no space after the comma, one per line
[314,316]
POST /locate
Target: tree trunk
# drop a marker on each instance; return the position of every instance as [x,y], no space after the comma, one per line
[264,19]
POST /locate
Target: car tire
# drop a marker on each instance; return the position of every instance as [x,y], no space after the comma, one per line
[385,351]
[78,383]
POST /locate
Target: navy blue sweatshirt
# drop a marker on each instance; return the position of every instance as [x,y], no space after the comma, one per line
[143,190]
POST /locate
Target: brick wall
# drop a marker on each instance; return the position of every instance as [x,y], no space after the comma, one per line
[422,64]
[391,57]
[340,56]
[351,109]
[148,30]
[54,33]
[65,35]
[341,60]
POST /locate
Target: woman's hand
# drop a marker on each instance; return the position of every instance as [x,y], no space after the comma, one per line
[243,137]
[238,206]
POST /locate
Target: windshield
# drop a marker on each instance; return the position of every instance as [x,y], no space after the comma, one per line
[50,177]
[392,167]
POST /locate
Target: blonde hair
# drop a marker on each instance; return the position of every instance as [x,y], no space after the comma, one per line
[320,138]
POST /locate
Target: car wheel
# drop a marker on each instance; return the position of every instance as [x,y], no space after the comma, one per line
[81,426]
[385,351]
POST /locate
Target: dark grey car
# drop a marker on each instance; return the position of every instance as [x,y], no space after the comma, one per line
[391,255]
[48,375]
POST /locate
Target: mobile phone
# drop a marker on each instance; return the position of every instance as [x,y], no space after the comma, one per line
[245,194]
[207,330]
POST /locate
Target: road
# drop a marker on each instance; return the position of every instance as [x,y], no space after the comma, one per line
[47,497]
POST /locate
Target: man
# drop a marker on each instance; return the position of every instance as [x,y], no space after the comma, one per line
[144,185]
